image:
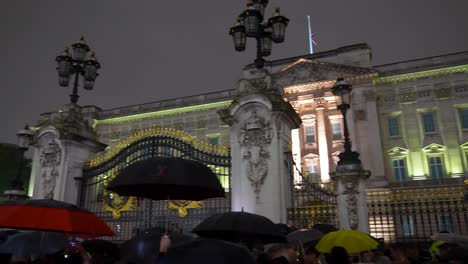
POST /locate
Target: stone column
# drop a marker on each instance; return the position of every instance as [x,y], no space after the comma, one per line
[350,180]
[322,140]
[261,123]
[63,143]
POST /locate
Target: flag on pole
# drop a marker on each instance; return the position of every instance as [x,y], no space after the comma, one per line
[312,38]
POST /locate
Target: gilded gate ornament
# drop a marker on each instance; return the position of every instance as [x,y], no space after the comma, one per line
[115,203]
[182,206]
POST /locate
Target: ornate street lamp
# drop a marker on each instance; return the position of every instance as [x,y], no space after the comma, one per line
[348,159]
[83,62]
[25,137]
[250,24]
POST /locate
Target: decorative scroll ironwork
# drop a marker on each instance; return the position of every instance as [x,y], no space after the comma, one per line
[313,202]
[182,206]
[414,214]
[115,203]
[145,213]
[165,132]
[400,214]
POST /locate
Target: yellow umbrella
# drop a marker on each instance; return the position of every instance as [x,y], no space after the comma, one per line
[352,240]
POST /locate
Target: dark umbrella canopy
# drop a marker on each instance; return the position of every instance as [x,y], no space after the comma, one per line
[304,235]
[34,243]
[52,215]
[240,226]
[209,251]
[163,178]
[144,247]
[324,228]
[286,229]
[102,249]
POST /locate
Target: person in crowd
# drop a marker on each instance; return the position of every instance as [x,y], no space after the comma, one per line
[164,245]
[282,253]
[338,255]
[366,257]
[311,255]
[398,254]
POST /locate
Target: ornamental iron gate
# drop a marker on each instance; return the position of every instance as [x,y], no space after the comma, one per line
[313,202]
[414,214]
[129,215]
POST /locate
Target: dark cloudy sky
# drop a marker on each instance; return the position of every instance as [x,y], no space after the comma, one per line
[155,50]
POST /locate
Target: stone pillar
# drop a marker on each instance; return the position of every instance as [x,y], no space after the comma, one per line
[322,140]
[261,123]
[350,181]
[63,143]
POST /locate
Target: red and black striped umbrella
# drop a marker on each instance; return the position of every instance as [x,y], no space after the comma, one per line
[52,215]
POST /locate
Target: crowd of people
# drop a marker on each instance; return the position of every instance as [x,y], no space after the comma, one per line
[438,252]
[392,254]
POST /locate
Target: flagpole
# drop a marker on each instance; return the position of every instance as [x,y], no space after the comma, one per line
[311,47]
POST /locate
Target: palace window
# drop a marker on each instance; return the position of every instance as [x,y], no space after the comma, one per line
[313,174]
[436,168]
[310,134]
[464,118]
[407,225]
[336,131]
[428,122]
[393,127]
[445,223]
[399,169]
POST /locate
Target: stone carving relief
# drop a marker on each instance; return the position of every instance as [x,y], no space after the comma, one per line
[50,158]
[352,203]
[303,72]
[254,82]
[254,136]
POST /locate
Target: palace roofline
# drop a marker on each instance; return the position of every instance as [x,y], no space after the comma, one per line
[314,56]
[423,64]
[169,103]
[396,68]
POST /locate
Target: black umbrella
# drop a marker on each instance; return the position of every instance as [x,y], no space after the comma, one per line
[209,251]
[304,235]
[102,249]
[240,226]
[163,178]
[144,247]
[324,228]
[286,229]
[34,243]
[6,233]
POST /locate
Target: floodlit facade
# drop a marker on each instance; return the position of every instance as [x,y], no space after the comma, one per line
[408,120]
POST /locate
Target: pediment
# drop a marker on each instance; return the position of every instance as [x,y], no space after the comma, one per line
[397,152]
[305,71]
[432,142]
[434,148]
[311,157]
[464,146]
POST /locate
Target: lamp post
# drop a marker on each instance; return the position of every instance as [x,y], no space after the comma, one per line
[349,176]
[250,24]
[348,159]
[17,186]
[83,62]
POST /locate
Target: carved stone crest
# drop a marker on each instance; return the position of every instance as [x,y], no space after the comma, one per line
[255,135]
[352,203]
[50,160]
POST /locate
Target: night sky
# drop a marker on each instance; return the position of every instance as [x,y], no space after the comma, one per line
[155,50]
